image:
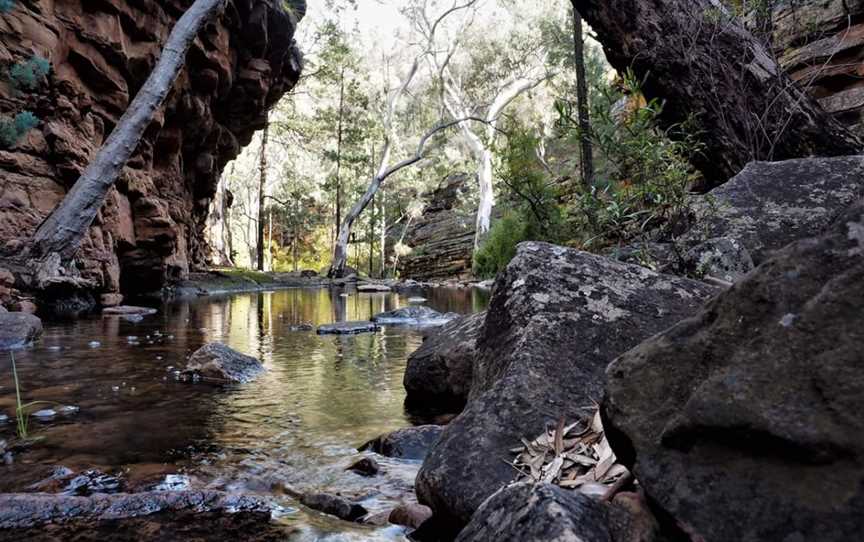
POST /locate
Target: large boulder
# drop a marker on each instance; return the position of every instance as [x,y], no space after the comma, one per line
[771,204]
[219,362]
[528,512]
[744,422]
[18,329]
[556,319]
[438,374]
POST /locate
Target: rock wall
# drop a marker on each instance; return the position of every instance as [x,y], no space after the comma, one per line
[442,239]
[101,51]
[820,43]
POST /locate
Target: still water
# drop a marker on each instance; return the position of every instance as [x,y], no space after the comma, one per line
[297,426]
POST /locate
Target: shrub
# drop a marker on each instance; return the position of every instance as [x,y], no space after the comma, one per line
[500,245]
[30,74]
[12,130]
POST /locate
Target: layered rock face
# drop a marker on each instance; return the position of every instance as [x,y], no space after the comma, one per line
[443,238]
[152,225]
[820,44]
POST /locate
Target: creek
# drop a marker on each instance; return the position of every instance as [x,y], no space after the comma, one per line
[297,426]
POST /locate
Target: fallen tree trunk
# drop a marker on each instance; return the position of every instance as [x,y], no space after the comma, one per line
[695,55]
[66,226]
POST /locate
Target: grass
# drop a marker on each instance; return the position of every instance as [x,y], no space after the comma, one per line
[22,419]
[246,274]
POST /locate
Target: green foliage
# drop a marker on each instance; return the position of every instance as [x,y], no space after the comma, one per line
[6,6]
[30,74]
[12,130]
[643,172]
[500,246]
[531,199]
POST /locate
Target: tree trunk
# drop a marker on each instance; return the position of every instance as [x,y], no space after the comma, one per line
[339,152]
[262,182]
[699,59]
[487,196]
[340,251]
[67,224]
[586,159]
[383,242]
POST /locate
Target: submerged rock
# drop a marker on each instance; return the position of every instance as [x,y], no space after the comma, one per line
[438,373]
[35,510]
[219,362]
[410,515]
[128,310]
[414,316]
[557,318]
[18,330]
[348,328]
[92,482]
[334,505]
[744,422]
[372,287]
[408,443]
[365,466]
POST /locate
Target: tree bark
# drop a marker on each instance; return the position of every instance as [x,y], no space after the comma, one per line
[262,183]
[339,152]
[586,158]
[698,57]
[63,230]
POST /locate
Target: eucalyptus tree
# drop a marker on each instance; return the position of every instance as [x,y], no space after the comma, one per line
[482,65]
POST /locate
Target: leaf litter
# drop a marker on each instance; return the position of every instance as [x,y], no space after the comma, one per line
[576,456]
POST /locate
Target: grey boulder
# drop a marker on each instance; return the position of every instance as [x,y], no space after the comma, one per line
[348,328]
[219,362]
[557,318]
[438,373]
[408,443]
[18,329]
[744,422]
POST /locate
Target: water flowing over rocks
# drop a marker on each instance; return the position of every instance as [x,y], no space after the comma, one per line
[18,329]
[151,227]
[743,422]
[556,319]
[439,372]
[218,362]
[414,316]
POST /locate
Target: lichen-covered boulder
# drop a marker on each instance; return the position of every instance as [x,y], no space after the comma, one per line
[556,319]
[438,374]
[537,513]
[722,258]
[771,204]
[744,422]
[221,363]
[18,329]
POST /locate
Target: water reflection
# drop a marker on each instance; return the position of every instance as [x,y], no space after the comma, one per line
[298,425]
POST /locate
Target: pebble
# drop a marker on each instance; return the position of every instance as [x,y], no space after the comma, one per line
[417,300]
[132,338]
[46,413]
[4,418]
[115,388]
[69,409]
[94,344]
[54,348]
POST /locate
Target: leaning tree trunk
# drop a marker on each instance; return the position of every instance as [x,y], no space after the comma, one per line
[67,224]
[697,57]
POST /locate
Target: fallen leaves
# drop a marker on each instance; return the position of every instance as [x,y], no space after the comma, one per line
[575,456]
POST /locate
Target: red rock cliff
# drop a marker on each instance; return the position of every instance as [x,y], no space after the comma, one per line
[101,51]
